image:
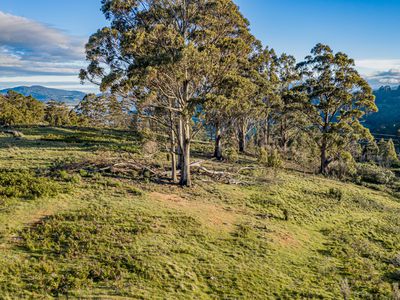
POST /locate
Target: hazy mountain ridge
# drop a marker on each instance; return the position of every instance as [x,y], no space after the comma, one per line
[45,94]
[387,120]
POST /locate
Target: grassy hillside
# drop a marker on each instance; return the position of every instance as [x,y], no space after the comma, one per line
[74,223]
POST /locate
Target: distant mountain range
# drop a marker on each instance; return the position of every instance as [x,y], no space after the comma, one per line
[45,94]
[387,120]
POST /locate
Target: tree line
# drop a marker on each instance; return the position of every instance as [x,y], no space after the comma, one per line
[194,65]
[92,111]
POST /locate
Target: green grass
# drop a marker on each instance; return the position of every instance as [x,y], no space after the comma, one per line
[101,236]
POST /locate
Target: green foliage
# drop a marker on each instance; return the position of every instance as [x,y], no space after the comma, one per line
[335,193]
[336,99]
[26,185]
[135,191]
[231,154]
[58,114]
[16,109]
[374,174]
[103,111]
[274,159]
[387,155]
[344,167]
[263,156]
[73,178]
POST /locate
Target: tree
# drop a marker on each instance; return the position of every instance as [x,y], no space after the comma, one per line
[288,113]
[17,109]
[92,110]
[103,111]
[337,98]
[167,55]
[267,97]
[232,104]
[58,114]
[387,153]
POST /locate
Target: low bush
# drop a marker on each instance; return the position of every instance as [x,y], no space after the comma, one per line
[26,185]
[231,154]
[374,174]
[335,193]
[263,156]
[274,159]
[93,244]
[65,176]
[344,167]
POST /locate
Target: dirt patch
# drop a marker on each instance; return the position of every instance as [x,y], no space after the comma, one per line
[286,240]
[210,214]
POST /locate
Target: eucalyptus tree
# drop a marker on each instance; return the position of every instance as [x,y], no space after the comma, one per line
[387,155]
[58,114]
[167,54]
[231,106]
[337,98]
[288,111]
[267,96]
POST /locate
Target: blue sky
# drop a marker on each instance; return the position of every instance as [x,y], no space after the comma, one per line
[41,41]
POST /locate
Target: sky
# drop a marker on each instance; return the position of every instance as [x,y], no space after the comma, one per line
[42,41]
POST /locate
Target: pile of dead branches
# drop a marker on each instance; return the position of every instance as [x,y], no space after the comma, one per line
[124,166]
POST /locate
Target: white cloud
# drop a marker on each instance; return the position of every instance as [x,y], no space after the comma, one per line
[35,40]
[378,64]
[33,53]
[380,72]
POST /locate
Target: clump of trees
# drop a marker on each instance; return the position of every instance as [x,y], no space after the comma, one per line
[103,110]
[191,66]
[93,111]
[17,109]
[59,114]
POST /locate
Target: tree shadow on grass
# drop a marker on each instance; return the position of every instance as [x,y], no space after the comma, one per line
[83,138]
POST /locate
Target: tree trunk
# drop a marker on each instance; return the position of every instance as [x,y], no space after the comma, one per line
[324,159]
[242,137]
[186,179]
[218,144]
[174,176]
[180,144]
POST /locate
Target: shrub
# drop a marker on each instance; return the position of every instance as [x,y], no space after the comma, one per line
[335,193]
[231,154]
[75,178]
[134,191]
[84,173]
[263,156]
[374,174]
[344,167]
[274,159]
[65,176]
[26,185]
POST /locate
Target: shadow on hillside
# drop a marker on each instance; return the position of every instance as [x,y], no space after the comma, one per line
[82,138]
